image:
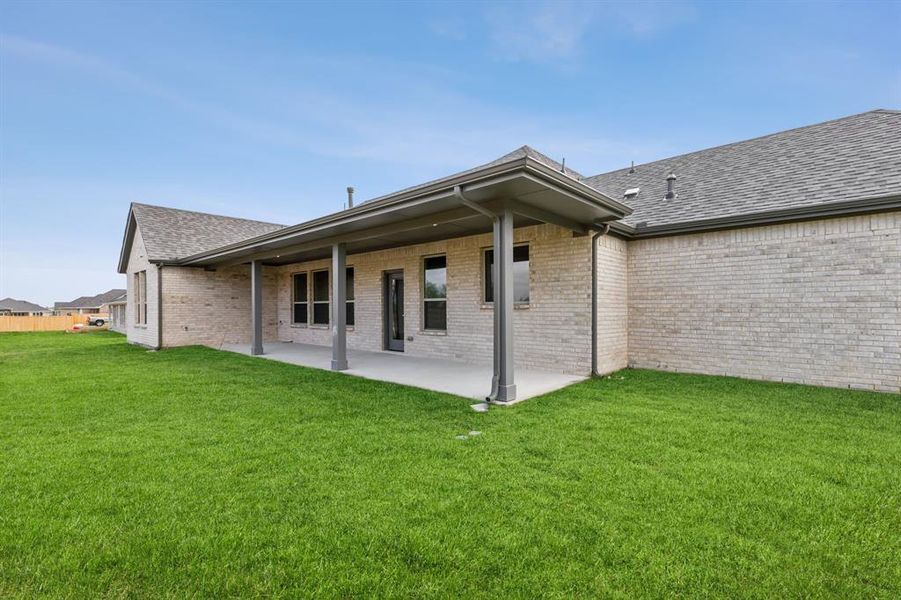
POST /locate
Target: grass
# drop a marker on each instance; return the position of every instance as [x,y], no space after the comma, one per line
[198,473]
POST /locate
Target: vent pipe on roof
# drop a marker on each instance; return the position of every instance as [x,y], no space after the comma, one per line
[632,168]
[670,186]
[350,197]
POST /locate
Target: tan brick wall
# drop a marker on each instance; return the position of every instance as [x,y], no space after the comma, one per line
[553,333]
[815,302]
[213,307]
[146,335]
[613,314]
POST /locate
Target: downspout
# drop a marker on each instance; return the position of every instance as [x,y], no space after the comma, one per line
[458,193]
[594,296]
[159,307]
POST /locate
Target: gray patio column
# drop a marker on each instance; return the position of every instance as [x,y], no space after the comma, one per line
[503,306]
[339,307]
[256,307]
[496,347]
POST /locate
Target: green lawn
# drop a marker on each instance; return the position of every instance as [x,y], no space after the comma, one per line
[193,472]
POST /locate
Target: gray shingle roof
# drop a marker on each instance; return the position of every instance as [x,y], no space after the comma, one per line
[91,301]
[521,152]
[13,305]
[852,158]
[171,233]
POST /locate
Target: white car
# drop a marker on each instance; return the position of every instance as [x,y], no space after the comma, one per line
[97,320]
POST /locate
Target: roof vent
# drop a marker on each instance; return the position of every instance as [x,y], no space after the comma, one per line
[350,197]
[631,192]
[670,186]
[632,168]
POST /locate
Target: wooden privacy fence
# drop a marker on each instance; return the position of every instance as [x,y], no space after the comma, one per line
[48,323]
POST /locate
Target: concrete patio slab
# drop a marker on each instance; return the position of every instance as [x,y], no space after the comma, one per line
[460,379]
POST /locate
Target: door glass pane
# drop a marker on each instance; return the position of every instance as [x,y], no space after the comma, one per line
[397,307]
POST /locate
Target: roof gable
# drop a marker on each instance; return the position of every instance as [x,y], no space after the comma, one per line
[171,233]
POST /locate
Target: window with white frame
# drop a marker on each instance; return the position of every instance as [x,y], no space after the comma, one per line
[520,275]
[300,306]
[434,293]
[320,298]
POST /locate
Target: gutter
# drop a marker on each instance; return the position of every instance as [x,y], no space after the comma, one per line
[772,217]
[605,228]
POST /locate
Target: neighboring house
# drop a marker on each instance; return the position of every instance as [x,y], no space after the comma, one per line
[89,305]
[774,258]
[22,308]
[116,310]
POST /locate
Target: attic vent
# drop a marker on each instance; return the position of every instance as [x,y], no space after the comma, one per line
[670,186]
[631,192]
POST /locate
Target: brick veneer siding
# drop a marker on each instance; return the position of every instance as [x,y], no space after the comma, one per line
[213,307]
[553,333]
[817,302]
[146,334]
[612,295]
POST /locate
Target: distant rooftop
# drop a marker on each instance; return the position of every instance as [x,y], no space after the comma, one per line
[13,305]
[91,301]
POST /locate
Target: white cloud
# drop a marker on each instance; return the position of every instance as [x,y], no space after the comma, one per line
[556,33]
[543,32]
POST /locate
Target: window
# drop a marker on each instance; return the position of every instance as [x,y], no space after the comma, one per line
[350,295]
[520,275]
[140,284]
[435,293]
[320,298]
[300,312]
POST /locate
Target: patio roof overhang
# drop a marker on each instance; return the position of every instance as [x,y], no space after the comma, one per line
[533,191]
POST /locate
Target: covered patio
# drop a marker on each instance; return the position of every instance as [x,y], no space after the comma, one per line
[519,190]
[458,378]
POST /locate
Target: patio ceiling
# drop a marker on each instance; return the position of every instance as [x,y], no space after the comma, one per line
[534,192]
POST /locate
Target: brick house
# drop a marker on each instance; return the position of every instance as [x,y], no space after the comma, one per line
[774,258]
[22,308]
[89,305]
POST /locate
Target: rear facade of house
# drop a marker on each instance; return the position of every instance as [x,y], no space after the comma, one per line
[777,258]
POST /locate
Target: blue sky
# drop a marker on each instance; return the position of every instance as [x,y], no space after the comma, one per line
[269,111]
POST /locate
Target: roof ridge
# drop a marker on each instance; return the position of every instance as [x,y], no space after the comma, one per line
[751,139]
[206,214]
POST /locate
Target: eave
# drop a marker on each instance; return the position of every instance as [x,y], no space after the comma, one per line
[534,191]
